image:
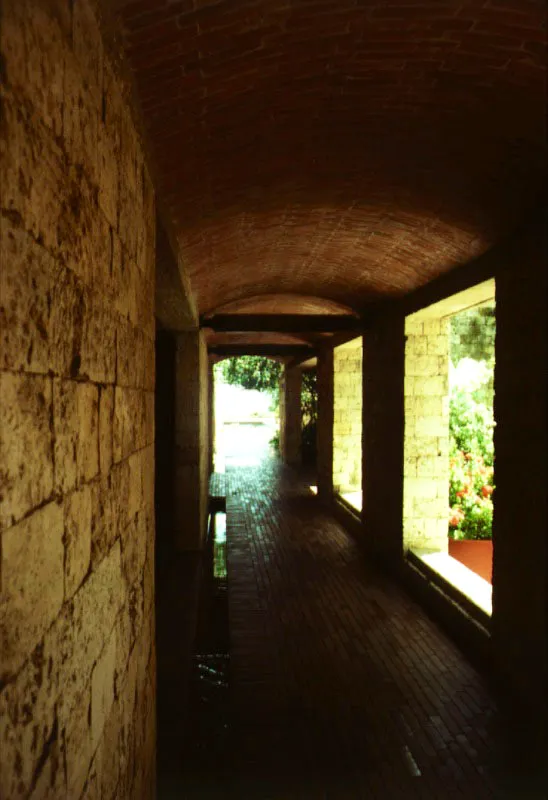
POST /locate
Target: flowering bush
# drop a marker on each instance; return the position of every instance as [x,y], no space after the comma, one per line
[470,496]
[471,423]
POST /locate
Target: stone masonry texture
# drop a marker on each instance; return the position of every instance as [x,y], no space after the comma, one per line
[347,417]
[77,226]
[426,448]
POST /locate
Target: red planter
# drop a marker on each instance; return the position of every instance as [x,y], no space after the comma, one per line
[476,554]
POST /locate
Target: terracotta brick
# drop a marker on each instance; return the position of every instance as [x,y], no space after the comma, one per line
[307,100]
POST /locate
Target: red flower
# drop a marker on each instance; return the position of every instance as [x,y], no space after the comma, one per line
[486,490]
[456,517]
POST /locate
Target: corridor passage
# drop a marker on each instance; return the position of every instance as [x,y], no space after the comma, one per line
[340,686]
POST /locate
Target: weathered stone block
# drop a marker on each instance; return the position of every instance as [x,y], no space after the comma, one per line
[81,111]
[27,719]
[104,506]
[129,354]
[434,385]
[31,172]
[111,754]
[421,488]
[433,466]
[134,548]
[423,366]
[76,449]
[69,307]
[25,429]
[102,689]
[108,160]
[99,343]
[432,327]
[50,783]
[135,493]
[32,583]
[106,419]
[130,431]
[25,283]
[438,345]
[435,426]
[79,749]
[33,46]
[95,608]
[77,538]
[77,214]
[413,328]
[120,477]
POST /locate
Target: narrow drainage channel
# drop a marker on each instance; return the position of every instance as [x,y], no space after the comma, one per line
[206,750]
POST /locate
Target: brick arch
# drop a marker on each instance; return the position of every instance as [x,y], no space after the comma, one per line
[282,304]
[258,337]
[340,148]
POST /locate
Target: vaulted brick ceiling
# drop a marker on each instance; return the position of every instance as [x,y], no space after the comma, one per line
[342,149]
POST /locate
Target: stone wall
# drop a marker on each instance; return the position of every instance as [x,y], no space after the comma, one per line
[77,661]
[426,449]
[520,522]
[383,424]
[191,439]
[347,417]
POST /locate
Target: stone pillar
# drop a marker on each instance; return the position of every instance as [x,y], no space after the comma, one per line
[426,446]
[347,417]
[290,416]
[191,440]
[520,523]
[325,424]
[383,422]
[211,416]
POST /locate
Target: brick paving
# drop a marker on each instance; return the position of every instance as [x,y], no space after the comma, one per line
[341,686]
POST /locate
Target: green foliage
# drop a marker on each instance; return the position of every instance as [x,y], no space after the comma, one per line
[471,471]
[309,396]
[309,415]
[471,426]
[473,334]
[252,372]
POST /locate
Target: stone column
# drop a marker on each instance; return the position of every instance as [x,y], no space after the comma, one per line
[211,416]
[426,443]
[347,417]
[290,416]
[383,422]
[325,424]
[520,540]
[191,440]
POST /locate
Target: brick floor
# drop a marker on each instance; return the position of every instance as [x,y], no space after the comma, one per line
[340,685]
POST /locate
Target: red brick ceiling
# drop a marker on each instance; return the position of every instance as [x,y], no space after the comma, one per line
[283,304]
[344,149]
